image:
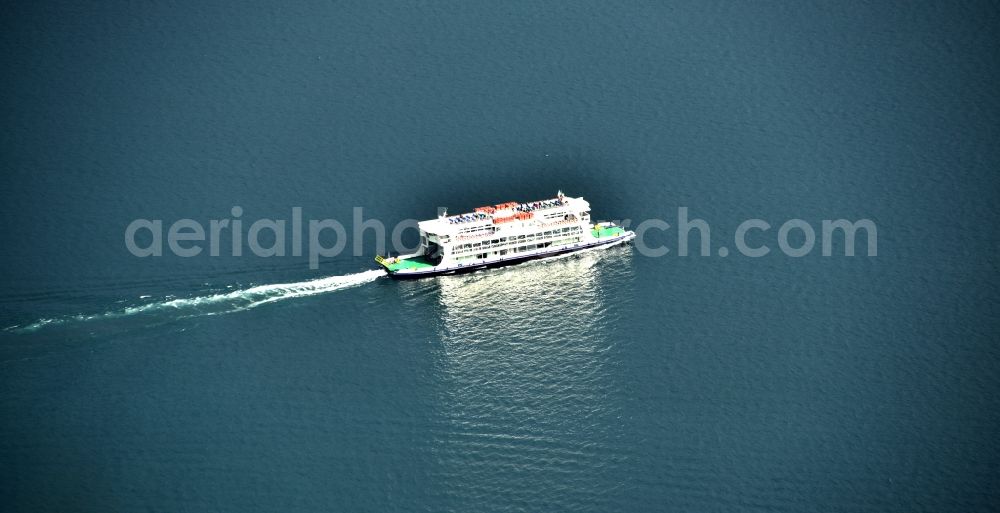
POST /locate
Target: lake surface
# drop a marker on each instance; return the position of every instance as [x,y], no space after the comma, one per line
[609,381]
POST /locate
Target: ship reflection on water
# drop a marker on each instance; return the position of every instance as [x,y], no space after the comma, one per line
[528,381]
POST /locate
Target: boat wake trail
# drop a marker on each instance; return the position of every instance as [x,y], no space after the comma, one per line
[220,303]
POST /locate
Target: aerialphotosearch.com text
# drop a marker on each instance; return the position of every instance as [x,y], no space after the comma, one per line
[328,238]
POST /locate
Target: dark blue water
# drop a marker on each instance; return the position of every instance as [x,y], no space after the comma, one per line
[612,381]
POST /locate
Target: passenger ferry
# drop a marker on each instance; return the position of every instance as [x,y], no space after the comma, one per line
[504,234]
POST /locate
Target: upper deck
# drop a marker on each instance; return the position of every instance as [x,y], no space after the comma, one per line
[484,220]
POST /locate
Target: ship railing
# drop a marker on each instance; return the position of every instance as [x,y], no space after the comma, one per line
[488,235]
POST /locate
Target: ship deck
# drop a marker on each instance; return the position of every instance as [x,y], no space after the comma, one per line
[415,262]
[607,231]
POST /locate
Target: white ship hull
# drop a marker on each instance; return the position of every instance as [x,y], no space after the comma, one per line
[490,263]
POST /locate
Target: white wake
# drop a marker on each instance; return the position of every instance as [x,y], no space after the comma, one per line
[221,303]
